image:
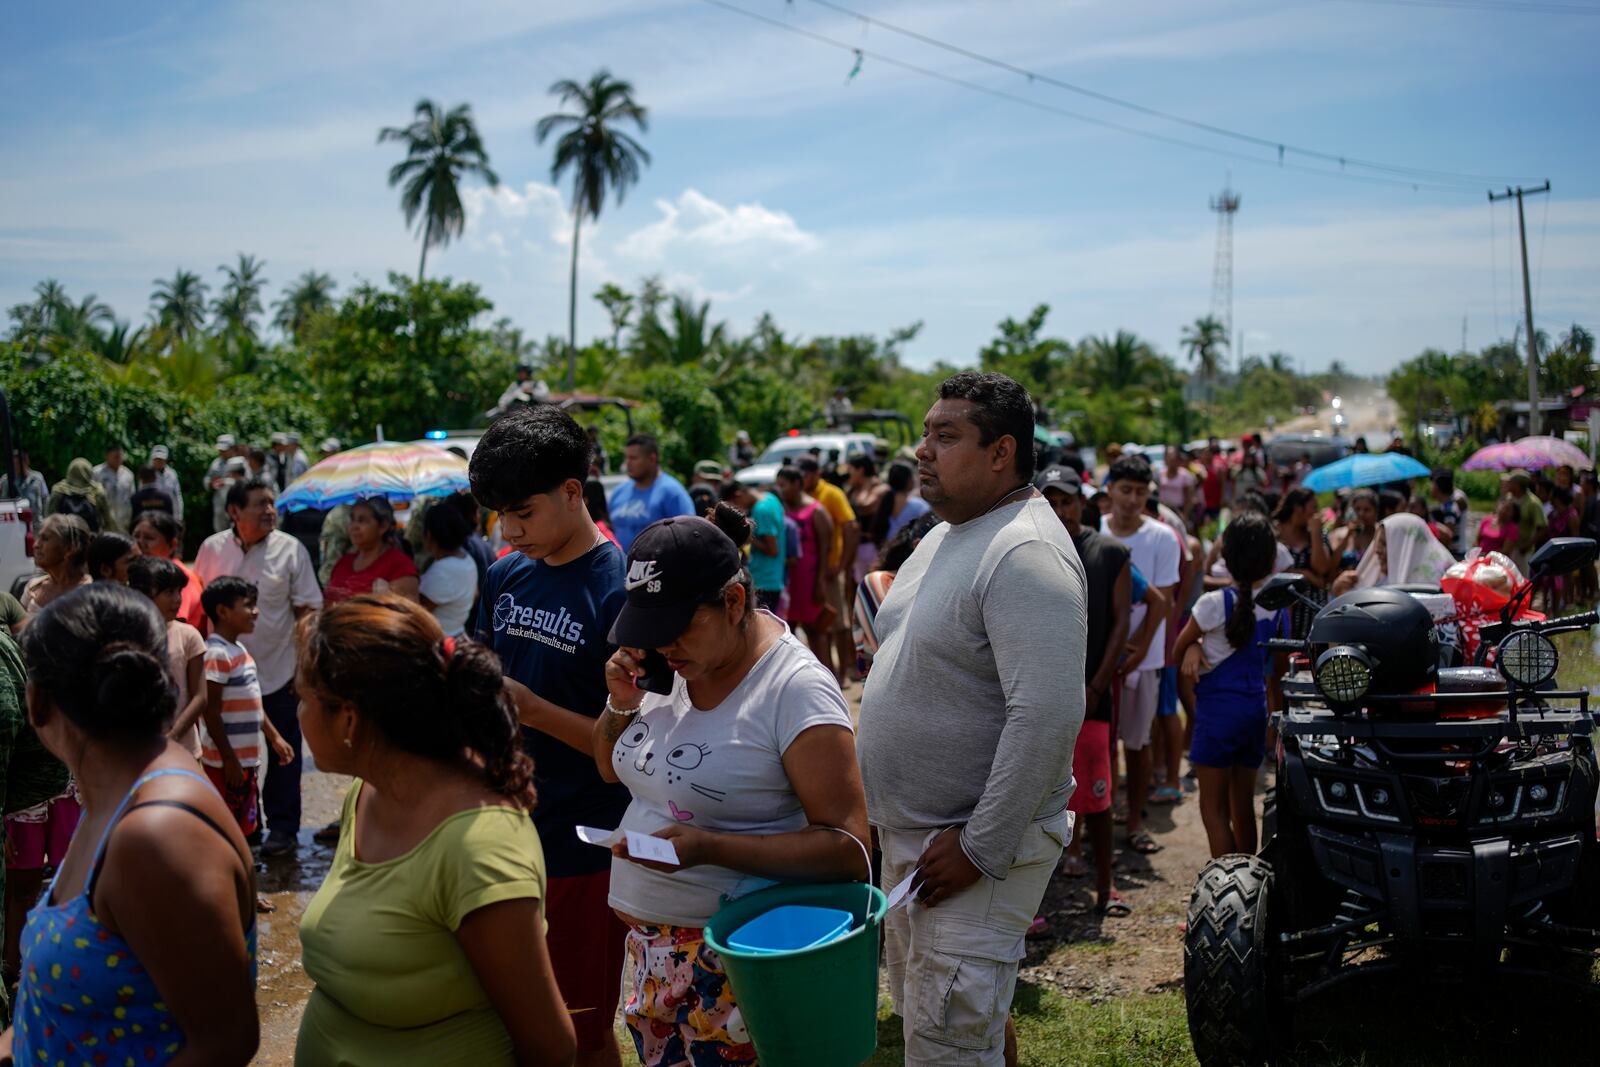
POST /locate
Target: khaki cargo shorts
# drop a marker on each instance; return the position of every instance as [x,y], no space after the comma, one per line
[953,968]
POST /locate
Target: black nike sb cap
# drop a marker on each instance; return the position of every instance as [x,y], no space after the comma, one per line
[674,566]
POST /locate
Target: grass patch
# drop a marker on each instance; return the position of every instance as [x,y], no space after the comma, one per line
[1382,1023]
[1099,950]
[1053,1031]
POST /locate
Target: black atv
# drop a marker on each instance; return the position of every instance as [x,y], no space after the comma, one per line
[1428,818]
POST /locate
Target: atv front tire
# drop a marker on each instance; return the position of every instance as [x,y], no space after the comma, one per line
[1232,1003]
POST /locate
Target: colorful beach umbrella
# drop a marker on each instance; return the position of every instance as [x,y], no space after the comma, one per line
[1364,468]
[1530,454]
[399,470]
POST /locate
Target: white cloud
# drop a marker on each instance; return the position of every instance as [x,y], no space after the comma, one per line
[695,222]
[535,198]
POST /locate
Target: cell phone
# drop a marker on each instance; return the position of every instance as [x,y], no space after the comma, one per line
[654,675]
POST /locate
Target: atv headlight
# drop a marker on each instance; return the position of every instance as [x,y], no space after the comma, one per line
[1343,674]
[1527,658]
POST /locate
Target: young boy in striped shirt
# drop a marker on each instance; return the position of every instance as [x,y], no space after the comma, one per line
[234,722]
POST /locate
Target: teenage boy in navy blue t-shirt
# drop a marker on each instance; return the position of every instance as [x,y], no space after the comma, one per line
[546,609]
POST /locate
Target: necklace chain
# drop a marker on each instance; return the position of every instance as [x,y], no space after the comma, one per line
[1008,496]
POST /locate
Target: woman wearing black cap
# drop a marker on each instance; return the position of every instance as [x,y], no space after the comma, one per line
[739,765]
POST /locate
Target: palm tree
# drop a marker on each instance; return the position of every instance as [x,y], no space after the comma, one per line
[76,324]
[33,323]
[311,293]
[619,306]
[600,156]
[1123,361]
[179,305]
[687,337]
[239,302]
[52,294]
[189,368]
[509,340]
[440,149]
[1202,340]
[53,316]
[118,344]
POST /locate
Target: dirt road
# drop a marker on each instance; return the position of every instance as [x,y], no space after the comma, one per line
[1091,957]
[1082,955]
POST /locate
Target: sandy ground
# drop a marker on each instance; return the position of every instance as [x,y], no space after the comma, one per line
[281,985]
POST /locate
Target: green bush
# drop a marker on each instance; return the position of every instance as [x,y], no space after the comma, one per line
[70,408]
[407,358]
[689,417]
[1481,487]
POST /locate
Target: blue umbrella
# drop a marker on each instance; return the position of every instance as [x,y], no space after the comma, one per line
[1364,468]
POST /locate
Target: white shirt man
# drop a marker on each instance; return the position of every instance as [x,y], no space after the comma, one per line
[117,480]
[167,479]
[286,589]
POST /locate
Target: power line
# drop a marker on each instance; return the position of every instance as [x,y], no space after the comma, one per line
[1281,147]
[1001,94]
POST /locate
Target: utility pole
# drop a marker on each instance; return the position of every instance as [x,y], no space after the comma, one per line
[1527,302]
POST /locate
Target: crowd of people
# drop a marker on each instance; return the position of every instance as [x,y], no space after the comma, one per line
[1044,649]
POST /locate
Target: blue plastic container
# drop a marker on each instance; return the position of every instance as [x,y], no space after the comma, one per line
[790,928]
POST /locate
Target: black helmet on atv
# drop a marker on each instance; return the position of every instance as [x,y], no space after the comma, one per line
[1393,630]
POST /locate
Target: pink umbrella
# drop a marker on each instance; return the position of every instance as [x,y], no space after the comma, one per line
[1530,453]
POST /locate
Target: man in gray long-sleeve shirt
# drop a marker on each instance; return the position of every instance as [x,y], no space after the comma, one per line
[968,724]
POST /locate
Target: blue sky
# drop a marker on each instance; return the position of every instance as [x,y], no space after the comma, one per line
[139,139]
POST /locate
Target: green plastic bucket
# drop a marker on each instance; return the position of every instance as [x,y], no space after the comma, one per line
[810,1007]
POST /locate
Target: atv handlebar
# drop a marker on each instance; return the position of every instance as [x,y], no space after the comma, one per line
[1284,644]
[1581,621]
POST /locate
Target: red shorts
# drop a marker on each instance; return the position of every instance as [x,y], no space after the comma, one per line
[30,844]
[244,803]
[587,942]
[1091,769]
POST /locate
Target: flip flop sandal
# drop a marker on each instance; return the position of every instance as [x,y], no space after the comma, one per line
[264,906]
[1115,907]
[1074,866]
[1120,817]
[1144,844]
[1039,927]
[1166,795]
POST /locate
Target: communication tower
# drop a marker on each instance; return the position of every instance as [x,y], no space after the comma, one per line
[1225,205]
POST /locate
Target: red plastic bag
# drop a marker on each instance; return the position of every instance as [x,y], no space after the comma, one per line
[1479,605]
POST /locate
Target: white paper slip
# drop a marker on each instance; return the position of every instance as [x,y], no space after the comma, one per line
[656,849]
[593,835]
[640,846]
[900,896]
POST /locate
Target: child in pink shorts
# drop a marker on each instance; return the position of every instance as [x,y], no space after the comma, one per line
[36,837]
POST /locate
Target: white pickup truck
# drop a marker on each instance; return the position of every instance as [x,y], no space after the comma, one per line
[16,543]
